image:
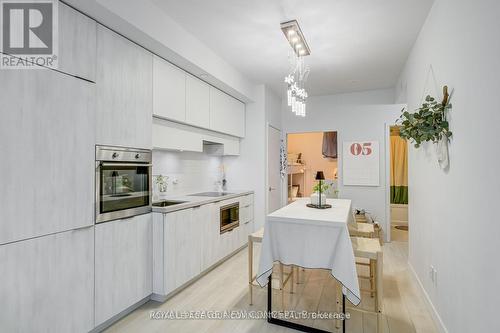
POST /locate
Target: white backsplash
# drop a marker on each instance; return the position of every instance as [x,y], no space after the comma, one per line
[194,172]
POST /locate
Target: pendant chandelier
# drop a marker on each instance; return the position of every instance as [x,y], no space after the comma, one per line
[298,71]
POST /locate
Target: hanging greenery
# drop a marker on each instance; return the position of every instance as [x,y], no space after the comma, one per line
[428,123]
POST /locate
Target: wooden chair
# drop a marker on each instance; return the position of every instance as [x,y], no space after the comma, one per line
[361,218]
[369,248]
[257,237]
[361,230]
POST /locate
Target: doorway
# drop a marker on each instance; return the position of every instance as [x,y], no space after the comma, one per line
[273,169]
[398,186]
[309,153]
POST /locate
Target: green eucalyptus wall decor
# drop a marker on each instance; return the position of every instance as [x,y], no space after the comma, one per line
[428,123]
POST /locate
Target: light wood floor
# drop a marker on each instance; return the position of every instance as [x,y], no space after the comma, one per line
[226,288]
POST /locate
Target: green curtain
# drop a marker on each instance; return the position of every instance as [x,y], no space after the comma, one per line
[399,170]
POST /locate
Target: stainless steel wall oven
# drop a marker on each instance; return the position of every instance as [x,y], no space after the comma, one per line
[123,183]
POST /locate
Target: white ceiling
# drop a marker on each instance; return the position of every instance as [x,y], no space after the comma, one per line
[355,44]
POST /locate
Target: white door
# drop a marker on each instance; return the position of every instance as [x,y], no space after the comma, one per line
[273,169]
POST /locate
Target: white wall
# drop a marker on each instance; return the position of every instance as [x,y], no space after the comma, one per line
[194,172]
[249,170]
[453,220]
[356,117]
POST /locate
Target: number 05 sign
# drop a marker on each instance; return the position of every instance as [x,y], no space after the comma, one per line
[360,165]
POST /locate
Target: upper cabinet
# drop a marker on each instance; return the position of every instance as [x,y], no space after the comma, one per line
[124,92]
[77,43]
[197,102]
[169,90]
[227,115]
[183,98]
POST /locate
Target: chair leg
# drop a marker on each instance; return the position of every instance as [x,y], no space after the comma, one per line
[291,272]
[372,277]
[250,270]
[379,282]
[338,297]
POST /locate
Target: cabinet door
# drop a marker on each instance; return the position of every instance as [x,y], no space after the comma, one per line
[124,91]
[123,267]
[210,230]
[77,43]
[197,102]
[227,114]
[47,129]
[187,247]
[169,90]
[47,283]
[182,249]
[173,136]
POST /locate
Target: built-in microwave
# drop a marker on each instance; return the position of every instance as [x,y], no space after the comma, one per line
[229,217]
[123,183]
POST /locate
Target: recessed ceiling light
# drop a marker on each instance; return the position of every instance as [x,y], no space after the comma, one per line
[295,37]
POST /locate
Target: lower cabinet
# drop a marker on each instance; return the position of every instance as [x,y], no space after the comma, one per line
[188,242]
[123,265]
[47,284]
[177,248]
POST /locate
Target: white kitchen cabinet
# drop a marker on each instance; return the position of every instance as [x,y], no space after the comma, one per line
[210,236]
[47,283]
[169,90]
[124,91]
[77,43]
[173,136]
[47,131]
[221,144]
[177,252]
[123,265]
[197,102]
[227,114]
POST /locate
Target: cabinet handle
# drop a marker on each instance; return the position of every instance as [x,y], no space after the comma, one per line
[247,206]
[247,222]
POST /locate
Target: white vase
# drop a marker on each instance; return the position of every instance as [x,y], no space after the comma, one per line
[315,198]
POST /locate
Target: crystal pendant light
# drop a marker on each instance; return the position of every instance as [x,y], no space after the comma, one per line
[298,73]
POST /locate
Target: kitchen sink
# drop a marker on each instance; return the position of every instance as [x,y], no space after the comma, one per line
[166,203]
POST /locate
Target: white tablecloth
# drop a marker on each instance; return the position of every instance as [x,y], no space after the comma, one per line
[311,238]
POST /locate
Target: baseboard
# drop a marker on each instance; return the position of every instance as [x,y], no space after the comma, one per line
[435,315]
[115,318]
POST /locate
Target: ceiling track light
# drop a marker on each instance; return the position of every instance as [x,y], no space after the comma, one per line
[295,37]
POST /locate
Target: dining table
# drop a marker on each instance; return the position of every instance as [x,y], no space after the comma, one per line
[310,238]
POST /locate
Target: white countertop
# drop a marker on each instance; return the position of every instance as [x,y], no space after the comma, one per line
[298,212]
[193,201]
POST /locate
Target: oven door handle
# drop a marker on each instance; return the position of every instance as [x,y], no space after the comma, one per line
[106,164]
